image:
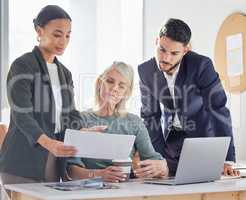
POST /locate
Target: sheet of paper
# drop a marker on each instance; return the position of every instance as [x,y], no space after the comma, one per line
[234,54]
[100,145]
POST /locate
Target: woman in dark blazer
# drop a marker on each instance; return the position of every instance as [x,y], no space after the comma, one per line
[40,95]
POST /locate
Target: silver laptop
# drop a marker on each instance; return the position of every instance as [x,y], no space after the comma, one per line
[201,160]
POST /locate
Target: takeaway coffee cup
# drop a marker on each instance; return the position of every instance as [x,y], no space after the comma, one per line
[125,164]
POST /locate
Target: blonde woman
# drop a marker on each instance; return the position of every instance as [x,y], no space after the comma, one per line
[113,88]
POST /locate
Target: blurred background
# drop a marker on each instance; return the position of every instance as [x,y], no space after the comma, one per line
[108,30]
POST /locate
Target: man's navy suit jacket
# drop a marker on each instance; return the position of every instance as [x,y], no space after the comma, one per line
[199,96]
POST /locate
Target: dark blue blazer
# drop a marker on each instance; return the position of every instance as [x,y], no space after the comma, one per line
[199,96]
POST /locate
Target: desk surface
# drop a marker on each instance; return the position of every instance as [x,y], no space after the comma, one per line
[130,189]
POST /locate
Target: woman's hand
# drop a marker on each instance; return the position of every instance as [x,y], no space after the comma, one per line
[229,171]
[112,174]
[152,168]
[95,128]
[57,148]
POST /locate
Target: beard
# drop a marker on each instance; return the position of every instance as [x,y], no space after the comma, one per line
[172,66]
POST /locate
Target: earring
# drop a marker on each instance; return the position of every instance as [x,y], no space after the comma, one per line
[38,38]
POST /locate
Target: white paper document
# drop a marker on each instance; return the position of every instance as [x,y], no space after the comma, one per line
[100,145]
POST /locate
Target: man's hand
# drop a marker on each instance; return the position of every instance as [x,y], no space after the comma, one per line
[152,168]
[229,171]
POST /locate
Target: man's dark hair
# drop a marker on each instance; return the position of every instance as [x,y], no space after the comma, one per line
[176,30]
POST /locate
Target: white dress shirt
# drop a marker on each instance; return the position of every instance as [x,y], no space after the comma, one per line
[171,85]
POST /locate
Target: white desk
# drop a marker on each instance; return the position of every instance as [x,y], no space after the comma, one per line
[234,189]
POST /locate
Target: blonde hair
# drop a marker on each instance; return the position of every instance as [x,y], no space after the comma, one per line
[127,72]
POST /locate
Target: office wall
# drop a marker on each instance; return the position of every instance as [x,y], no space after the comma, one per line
[120,37]
[82,50]
[204,18]
[98,39]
